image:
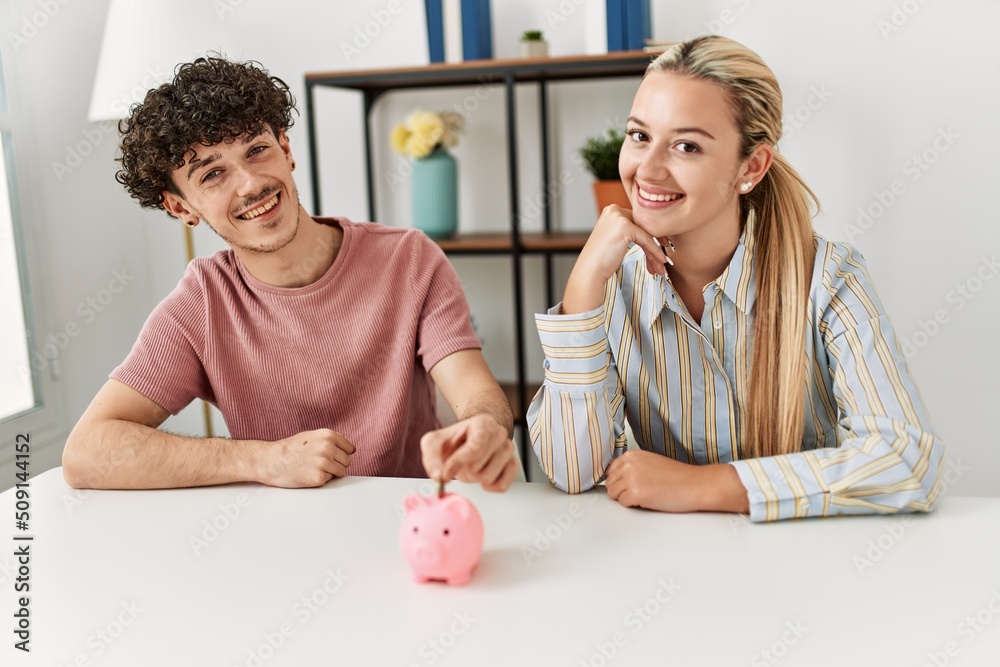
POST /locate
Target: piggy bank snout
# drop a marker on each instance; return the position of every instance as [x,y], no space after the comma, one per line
[426,552]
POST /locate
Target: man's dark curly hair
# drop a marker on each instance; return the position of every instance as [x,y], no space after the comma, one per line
[209,101]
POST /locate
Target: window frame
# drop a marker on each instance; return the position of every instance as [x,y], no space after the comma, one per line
[41,421]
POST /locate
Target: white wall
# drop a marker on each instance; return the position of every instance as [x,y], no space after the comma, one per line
[885,98]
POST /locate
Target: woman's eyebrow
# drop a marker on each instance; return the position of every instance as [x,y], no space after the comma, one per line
[678,130]
[690,130]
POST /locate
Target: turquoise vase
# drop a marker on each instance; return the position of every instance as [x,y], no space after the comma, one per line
[435,194]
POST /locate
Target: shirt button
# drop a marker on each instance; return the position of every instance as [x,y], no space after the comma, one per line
[718,325]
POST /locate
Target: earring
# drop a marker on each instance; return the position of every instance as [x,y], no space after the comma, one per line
[293,165]
[191,223]
[672,246]
[745,187]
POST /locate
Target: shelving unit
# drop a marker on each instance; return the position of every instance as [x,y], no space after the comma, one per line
[372,84]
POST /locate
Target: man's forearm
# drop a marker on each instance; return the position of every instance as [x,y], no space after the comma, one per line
[117,454]
[492,403]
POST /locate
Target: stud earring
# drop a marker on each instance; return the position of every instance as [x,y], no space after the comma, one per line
[191,223]
[745,187]
[293,165]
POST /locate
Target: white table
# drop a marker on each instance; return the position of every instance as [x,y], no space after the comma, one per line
[315,577]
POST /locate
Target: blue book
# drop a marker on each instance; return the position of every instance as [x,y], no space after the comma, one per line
[477,30]
[638,24]
[435,30]
[616,25]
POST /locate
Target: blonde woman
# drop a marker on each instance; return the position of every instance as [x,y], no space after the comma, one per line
[752,359]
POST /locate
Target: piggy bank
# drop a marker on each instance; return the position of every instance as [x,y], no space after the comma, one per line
[441,538]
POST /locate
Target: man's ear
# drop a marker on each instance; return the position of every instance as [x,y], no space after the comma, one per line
[177,207]
[286,148]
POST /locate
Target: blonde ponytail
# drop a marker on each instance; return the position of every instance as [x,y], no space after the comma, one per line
[783,255]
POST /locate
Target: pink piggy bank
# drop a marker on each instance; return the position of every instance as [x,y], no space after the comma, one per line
[441,538]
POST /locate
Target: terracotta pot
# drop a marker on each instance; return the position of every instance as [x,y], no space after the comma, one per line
[610,192]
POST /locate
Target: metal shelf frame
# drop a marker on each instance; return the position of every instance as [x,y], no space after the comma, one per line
[372,84]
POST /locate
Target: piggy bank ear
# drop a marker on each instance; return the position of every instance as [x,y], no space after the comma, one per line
[412,501]
[457,505]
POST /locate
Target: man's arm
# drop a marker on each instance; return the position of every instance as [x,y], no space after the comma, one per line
[478,448]
[117,445]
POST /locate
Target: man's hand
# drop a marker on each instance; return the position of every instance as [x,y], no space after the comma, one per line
[474,450]
[310,458]
[644,479]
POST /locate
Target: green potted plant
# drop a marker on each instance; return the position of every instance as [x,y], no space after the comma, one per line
[600,156]
[533,44]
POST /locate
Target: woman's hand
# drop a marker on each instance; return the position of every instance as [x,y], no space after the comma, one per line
[644,479]
[602,255]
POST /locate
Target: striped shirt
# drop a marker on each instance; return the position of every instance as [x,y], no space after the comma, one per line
[868,444]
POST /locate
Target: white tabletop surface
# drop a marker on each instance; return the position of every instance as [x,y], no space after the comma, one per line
[315,577]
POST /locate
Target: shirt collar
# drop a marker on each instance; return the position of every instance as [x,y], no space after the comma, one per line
[737,281]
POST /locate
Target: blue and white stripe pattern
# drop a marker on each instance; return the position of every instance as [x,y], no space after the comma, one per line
[868,445]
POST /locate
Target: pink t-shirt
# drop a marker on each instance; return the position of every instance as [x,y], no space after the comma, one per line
[350,352]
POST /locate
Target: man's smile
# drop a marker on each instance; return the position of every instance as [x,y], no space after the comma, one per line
[260,210]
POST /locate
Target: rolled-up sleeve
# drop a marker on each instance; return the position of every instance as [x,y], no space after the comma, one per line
[570,422]
[889,458]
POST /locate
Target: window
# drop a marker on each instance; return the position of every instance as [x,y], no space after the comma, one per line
[17,386]
[26,393]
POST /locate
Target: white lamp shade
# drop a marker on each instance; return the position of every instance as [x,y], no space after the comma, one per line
[144,40]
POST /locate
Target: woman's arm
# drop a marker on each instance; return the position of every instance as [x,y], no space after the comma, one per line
[576,421]
[889,457]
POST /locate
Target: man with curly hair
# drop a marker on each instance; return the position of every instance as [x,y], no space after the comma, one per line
[320,339]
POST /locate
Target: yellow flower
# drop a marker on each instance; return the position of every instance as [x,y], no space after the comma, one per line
[400,135]
[419,147]
[424,131]
[428,128]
